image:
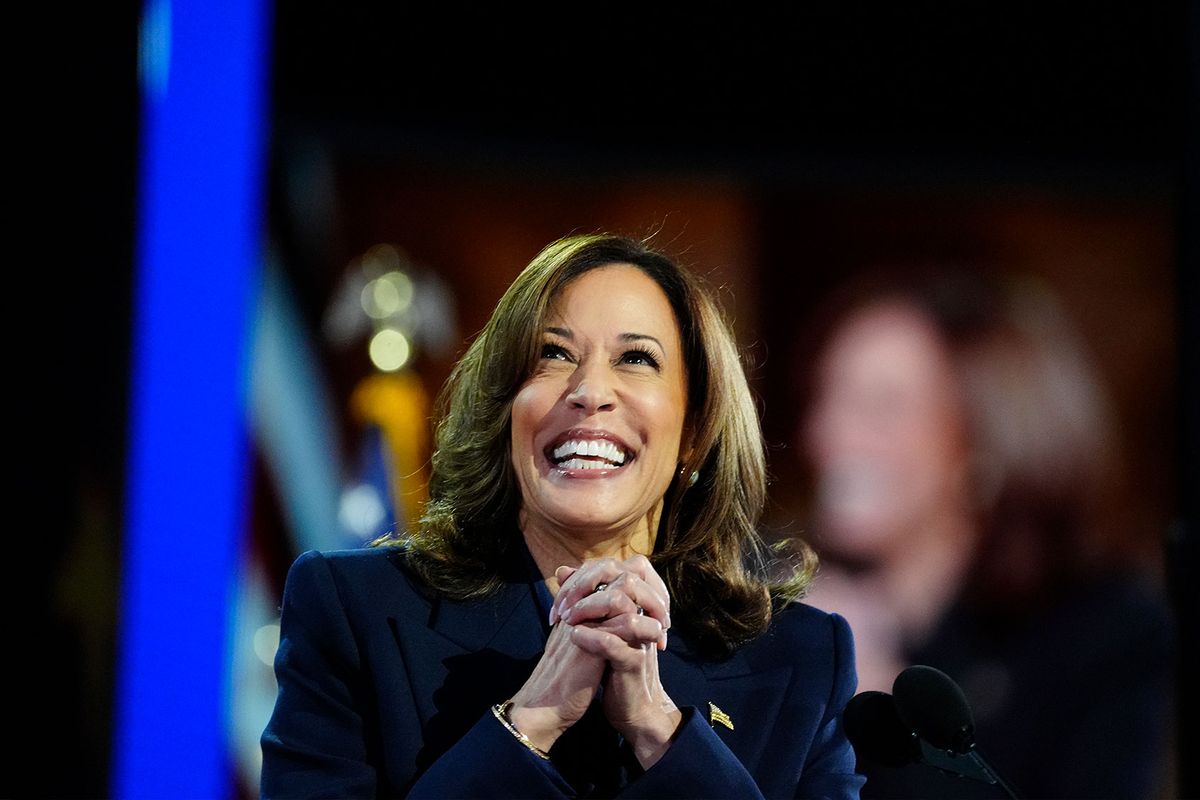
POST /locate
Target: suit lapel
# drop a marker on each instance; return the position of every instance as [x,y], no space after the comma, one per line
[745,701]
[506,622]
[467,656]
[480,652]
[680,666]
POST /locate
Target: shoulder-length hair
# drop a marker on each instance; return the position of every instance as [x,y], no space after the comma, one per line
[707,548]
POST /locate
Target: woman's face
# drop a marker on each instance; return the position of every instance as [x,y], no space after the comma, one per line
[885,433]
[596,429]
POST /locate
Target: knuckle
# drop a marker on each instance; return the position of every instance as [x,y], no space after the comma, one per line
[651,628]
[640,562]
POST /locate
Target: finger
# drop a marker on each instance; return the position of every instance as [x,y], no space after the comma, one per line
[599,606]
[582,583]
[640,565]
[561,575]
[635,630]
[649,603]
[612,648]
[644,596]
[642,600]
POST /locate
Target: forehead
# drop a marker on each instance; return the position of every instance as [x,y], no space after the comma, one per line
[887,343]
[615,296]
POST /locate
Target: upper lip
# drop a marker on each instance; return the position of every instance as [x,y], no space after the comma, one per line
[587,434]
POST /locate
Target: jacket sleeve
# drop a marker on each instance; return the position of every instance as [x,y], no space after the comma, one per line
[829,770]
[699,764]
[315,744]
[490,763]
[696,765]
[321,739]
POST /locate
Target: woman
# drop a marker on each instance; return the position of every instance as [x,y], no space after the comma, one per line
[575,616]
[965,469]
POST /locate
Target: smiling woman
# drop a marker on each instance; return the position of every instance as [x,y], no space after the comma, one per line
[597,481]
[610,381]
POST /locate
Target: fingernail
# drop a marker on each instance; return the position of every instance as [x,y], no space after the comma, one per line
[566,616]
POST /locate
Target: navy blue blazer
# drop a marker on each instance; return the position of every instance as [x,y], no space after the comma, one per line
[385,690]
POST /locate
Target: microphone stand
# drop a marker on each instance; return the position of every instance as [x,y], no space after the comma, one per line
[970,765]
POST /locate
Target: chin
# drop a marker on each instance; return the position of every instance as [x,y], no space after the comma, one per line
[857,541]
[592,516]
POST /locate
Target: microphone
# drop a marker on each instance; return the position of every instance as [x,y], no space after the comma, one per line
[927,720]
[878,734]
[932,704]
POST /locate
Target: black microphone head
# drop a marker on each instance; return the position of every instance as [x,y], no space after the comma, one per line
[929,702]
[876,731]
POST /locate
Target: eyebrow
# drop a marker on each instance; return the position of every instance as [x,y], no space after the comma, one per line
[624,337]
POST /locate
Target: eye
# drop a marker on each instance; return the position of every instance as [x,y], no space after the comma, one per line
[639,358]
[555,352]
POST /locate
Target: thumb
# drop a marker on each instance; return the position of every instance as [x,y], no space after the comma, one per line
[560,575]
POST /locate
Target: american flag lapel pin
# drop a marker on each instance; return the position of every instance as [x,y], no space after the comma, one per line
[716,715]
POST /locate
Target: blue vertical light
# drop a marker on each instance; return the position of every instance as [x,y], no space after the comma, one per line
[203,71]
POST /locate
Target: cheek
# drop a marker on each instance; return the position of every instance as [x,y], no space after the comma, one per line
[666,417]
[817,437]
[532,409]
[527,409]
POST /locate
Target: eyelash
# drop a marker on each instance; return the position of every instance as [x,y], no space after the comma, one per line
[553,351]
[646,355]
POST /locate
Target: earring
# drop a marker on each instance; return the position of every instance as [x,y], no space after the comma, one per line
[695,476]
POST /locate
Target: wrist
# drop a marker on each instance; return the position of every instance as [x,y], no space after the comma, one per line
[540,726]
[651,740]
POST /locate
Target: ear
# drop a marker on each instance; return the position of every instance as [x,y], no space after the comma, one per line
[687,444]
[687,441]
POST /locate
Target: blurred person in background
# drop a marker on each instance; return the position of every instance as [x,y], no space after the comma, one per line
[597,481]
[966,509]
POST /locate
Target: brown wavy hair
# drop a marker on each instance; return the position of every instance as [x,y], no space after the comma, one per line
[707,549]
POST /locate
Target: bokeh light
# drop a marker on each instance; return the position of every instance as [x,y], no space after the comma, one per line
[389,350]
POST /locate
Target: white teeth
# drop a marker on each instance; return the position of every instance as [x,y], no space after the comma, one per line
[582,463]
[613,453]
[590,448]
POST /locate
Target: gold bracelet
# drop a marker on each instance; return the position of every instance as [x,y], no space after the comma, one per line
[500,711]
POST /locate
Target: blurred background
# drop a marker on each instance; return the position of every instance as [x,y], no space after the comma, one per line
[1039,162]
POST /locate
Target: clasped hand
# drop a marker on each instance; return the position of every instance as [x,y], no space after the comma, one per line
[609,620]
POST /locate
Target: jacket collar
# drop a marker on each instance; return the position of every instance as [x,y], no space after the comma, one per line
[506,620]
[510,621]
[682,659]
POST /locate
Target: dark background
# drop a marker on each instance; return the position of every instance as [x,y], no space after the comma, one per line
[801,105]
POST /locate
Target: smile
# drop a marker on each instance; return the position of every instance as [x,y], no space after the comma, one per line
[590,450]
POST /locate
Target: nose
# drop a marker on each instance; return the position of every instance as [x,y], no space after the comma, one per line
[593,390]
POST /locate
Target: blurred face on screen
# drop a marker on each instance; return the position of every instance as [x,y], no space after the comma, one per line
[884,433]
